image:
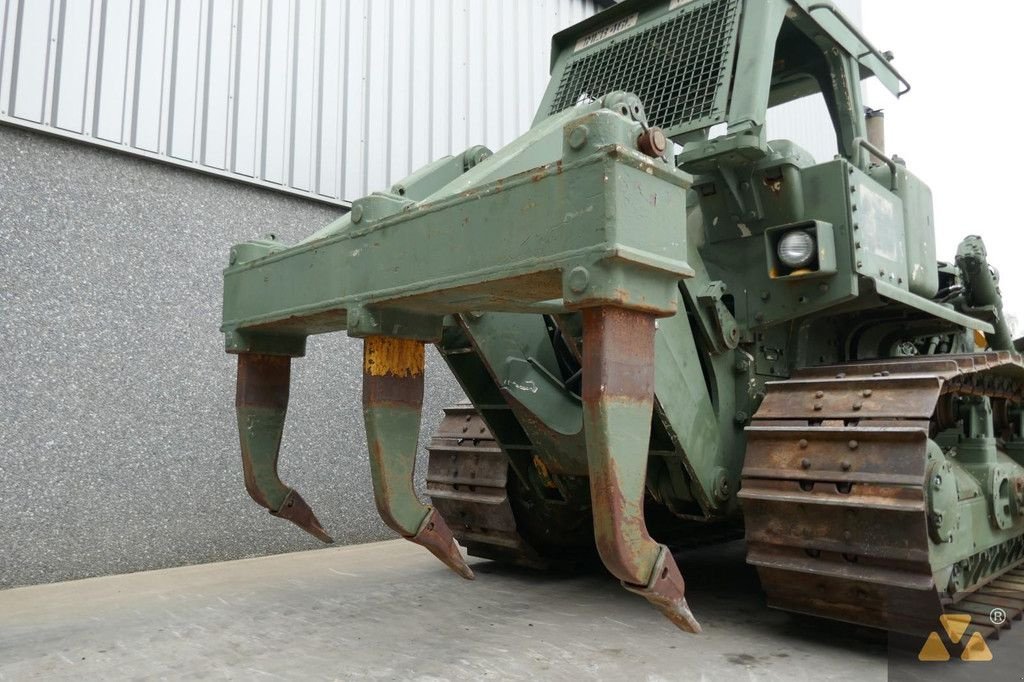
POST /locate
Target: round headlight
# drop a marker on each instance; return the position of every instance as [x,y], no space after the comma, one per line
[797,249]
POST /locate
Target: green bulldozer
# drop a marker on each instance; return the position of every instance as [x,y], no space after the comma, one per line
[671,331]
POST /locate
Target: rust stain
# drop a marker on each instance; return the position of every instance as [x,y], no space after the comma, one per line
[263,381]
[774,185]
[619,530]
[382,486]
[653,142]
[545,475]
[249,476]
[616,334]
[617,369]
[387,356]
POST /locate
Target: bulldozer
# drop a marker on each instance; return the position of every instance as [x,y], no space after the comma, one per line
[671,331]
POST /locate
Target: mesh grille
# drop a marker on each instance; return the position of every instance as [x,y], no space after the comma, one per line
[679,68]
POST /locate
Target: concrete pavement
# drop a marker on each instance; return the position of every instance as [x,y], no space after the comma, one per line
[390,611]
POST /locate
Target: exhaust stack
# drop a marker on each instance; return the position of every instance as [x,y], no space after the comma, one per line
[875,121]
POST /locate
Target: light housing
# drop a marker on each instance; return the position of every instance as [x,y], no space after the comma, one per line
[797,265]
[797,249]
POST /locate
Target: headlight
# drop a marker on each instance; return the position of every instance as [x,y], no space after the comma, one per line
[797,249]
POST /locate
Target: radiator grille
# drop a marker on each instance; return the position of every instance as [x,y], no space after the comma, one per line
[680,68]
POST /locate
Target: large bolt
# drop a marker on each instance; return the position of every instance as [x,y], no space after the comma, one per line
[579,279]
[578,137]
[722,487]
[653,142]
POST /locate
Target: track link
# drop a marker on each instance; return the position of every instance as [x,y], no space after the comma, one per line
[835,492]
[467,478]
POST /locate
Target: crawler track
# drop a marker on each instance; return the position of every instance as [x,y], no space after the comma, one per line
[467,479]
[835,494]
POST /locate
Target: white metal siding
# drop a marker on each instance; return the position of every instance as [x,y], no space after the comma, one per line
[327,98]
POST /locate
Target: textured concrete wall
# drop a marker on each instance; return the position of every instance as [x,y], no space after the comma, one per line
[118,448]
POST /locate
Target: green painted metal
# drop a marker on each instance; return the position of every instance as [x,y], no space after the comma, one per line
[378,276]
[394,432]
[502,259]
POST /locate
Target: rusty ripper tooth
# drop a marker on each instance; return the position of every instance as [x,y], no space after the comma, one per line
[435,535]
[618,400]
[666,591]
[261,405]
[296,510]
[392,408]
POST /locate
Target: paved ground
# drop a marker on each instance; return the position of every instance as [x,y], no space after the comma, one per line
[390,611]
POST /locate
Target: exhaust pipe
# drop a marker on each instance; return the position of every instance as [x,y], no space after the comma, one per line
[875,122]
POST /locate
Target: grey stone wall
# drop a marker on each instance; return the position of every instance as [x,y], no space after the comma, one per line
[118,448]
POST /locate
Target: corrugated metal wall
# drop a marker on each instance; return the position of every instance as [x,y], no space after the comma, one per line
[327,98]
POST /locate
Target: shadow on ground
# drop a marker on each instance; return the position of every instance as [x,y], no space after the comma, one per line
[722,589]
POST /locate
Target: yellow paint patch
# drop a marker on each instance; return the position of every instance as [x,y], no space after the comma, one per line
[387,356]
[979,340]
[545,475]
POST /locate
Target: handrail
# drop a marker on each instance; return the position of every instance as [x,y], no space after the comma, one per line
[850,26]
[880,155]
